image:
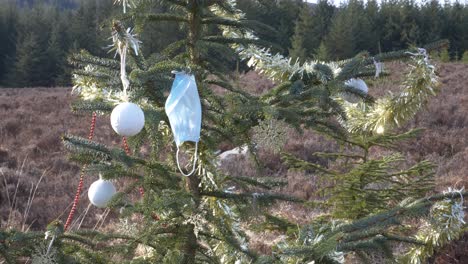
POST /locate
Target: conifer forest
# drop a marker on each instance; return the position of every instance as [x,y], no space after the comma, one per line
[233,131]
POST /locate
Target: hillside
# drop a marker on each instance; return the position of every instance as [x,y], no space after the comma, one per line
[38,182]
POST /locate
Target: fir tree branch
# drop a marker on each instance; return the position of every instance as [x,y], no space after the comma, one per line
[229,87]
[99,151]
[296,163]
[91,107]
[280,223]
[265,183]
[239,24]
[244,41]
[337,155]
[415,209]
[258,196]
[84,58]
[79,239]
[403,239]
[165,17]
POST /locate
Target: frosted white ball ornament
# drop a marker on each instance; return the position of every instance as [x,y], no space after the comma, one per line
[127,119]
[101,192]
[357,84]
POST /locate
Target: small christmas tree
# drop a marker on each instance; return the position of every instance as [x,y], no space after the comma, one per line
[366,183]
[365,187]
[202,218]
[464,58]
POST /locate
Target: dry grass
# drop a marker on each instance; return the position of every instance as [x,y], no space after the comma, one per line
[36,172]
[32,122]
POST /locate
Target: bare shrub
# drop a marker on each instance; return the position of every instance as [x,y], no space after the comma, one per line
[6,160]
[11,127]
[48,143]
[3,155]
[43,114]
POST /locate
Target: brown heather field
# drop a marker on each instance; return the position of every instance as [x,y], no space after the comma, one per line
[37,182]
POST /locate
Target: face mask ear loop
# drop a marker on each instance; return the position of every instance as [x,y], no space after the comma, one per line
[194,162]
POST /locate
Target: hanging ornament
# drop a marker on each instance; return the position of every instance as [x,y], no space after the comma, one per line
[380,130]
[183,107]
[357,84]
[54,229]
[379,68]
[101,192]
[127,119]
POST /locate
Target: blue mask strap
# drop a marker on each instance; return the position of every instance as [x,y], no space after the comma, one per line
[194,161]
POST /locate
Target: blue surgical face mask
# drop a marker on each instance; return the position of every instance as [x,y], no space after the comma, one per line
[183,108]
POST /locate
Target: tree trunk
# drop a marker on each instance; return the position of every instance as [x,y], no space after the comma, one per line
[193,181]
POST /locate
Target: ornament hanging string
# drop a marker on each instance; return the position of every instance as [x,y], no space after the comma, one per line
[123,72]
[122,40]
[79,189]
[50,244]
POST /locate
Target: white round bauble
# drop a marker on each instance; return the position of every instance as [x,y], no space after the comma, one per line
[358,84]
[127,119]
[380,130]
[101,192]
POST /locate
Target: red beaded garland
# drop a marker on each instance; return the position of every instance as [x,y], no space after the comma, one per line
[80,183]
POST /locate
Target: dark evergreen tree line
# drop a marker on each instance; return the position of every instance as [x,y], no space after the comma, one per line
[37,36]
[324,31]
